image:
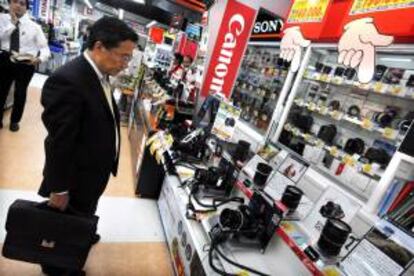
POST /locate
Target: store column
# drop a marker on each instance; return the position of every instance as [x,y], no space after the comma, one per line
[230,25]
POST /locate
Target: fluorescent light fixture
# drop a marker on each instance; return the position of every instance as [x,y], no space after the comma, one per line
[139,1]
[87,3]
[121,14]
[152,23]
[397,59]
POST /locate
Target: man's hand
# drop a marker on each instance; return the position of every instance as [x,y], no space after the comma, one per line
[357,47]
[59,201]
[291,47]
[14,17]
[34,61]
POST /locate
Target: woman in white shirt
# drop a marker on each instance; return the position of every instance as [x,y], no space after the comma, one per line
[19,37]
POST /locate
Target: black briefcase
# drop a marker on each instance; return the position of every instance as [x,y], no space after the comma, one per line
[40,234]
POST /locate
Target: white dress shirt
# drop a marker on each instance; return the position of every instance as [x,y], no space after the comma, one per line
[32,38]
[106,86]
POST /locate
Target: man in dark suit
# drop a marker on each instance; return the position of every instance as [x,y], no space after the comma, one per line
[82,120]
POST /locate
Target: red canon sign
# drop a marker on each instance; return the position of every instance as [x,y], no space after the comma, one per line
[229,48]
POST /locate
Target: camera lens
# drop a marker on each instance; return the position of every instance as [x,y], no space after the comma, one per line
[262,173]
[231,219]
[291,197]
[242,151]
[333,237]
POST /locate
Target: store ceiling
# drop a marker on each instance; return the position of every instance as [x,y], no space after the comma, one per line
[158,10]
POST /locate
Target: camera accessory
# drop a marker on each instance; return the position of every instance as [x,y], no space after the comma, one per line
[339,71]
[230,122]
[327,133]
[318,67]
[262,173]
[384,119]
[291,197]
[410,82]
[378,155]
[406,122]
[354,146]
[332,210]
[242,151]
[333,236]
[350,73]
[327,70]
[379,72]
[354,111]
[334,105]
[303,122]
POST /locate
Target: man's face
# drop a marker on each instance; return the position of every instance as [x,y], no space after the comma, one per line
[187,62]
[18,7]
[112,61]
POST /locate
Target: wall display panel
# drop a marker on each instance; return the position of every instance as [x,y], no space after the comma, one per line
[261,78]
[348,130]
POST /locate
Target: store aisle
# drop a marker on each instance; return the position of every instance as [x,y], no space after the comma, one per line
[132,236]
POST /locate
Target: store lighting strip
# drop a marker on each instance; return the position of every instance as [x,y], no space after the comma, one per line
[87,3]
[397,59]
[140,1]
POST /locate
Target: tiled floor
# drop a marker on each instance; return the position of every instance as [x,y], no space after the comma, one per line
[132,236]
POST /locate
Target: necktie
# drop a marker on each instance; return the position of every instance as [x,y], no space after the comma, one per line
[15,39]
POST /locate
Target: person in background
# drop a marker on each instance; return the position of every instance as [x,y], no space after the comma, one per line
[19,34]
[83,142]
[188,79]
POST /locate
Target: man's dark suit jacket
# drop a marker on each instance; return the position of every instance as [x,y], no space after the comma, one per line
[81,131]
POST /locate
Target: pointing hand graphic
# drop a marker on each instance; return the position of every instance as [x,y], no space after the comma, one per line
[357,47]
[291,47]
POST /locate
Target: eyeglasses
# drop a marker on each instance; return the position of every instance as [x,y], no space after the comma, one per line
[122,57]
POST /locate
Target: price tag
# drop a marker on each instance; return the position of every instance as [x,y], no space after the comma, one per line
[323,110]
[312,107]
[367,168]
[337,115]
[334,151]
[348,160]
[367,124]
[378,87]
[396,90]
[319,143]
[296,132]
[390,133]
[288,127]
[324,77]
[307,137]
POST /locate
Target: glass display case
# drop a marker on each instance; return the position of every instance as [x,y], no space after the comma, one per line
[260,81]
[346,129]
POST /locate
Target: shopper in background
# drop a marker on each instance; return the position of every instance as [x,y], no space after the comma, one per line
[82,120]
[176,70]
[19,34]
[188,78]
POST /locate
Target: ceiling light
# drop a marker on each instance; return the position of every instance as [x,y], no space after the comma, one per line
[140,1]
[87,3]
[152,23]
[397,59]
[121,14]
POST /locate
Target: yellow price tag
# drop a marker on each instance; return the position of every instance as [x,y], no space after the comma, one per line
[295,132]
[243,273]
[306,137]
[367,124]
[396,89]
[333,151]
[378,87]
[389,133]
[312,106]
[348,160]
[336,115]
[288,127]
[324,77]
[323,110]
[367,168]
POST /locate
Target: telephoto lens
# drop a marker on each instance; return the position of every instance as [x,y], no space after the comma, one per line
[231,220]
[291,197]
[333,237]
[262,174]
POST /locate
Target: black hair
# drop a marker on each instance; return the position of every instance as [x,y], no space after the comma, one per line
[110,31]
[27,3]
[178,57]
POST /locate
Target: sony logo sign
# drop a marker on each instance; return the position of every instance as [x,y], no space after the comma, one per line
[236,26]
[268,26]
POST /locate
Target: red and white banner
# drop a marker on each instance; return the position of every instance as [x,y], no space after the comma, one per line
[233,35]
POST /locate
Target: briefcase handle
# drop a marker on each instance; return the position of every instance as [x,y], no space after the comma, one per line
[69,209]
